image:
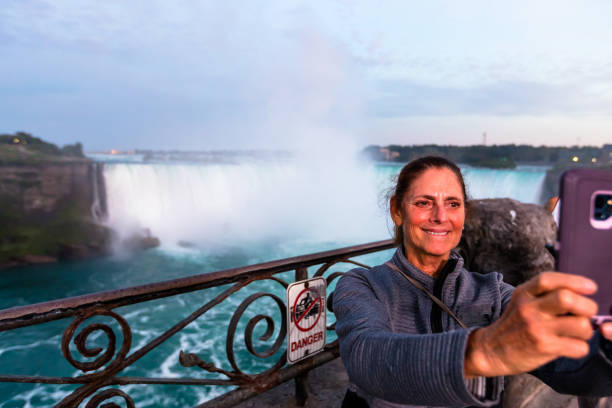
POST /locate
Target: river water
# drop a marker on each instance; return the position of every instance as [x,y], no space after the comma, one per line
[209,216]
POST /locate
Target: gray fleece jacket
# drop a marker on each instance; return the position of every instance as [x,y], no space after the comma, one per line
[402,351]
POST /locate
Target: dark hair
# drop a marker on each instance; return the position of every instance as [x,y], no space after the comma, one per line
[411,172]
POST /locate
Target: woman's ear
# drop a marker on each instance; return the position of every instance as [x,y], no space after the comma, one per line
[396,211]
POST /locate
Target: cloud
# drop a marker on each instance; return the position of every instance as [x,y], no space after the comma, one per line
[207,74]
[175,75]
[397,98]
[552,130]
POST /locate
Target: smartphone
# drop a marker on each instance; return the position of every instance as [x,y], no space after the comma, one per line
[584,241]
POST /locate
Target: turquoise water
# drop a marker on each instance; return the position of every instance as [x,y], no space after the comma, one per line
[39,346]
[245,214]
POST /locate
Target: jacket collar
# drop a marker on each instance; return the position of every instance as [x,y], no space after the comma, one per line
[400,261]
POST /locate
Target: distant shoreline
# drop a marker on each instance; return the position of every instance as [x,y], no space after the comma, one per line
[496,156]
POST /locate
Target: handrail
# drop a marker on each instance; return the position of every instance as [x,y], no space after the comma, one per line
[22,316]
[101,373]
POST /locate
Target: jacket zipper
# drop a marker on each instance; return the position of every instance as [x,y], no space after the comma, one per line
[436,311]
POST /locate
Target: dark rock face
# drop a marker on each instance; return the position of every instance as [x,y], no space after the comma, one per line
[53,210]
[43,189]
[140,241]
[46,212]
[550,187]
[508,236]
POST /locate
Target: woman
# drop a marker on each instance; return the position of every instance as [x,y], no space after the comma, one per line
[401,349]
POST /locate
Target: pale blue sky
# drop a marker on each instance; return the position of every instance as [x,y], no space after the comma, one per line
[203,75]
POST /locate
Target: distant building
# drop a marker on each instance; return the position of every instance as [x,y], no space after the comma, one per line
[12,140]
[19,138]
[388,154]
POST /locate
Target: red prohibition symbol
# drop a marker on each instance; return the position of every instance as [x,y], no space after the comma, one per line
[307,307]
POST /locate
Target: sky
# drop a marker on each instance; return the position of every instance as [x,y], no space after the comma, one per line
[285,74]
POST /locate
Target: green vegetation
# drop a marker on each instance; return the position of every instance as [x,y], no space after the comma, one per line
[496,156]
[36,235]
[54,234]
[23,148]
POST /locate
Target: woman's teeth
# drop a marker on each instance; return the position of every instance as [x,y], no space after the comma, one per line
[437,233]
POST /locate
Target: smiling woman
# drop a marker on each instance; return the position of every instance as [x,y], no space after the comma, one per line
[428,210]
[421,330]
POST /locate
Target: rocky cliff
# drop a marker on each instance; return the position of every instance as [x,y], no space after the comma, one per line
[48,212]
[50,202]
[508,236]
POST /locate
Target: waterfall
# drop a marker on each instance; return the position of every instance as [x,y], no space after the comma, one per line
[204,204]
[207,204]
[523,183]
[98,210]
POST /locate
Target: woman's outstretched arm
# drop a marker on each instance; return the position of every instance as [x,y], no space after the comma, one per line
[545,329]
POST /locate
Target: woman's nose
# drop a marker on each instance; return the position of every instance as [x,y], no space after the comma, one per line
[439,213]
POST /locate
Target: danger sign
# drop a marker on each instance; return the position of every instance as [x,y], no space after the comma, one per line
[306,318]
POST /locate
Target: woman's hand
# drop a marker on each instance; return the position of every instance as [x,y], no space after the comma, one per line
[548,317]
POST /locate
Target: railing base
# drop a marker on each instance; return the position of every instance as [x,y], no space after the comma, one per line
[233,398]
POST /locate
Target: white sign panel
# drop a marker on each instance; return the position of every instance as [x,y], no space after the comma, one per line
[306,318]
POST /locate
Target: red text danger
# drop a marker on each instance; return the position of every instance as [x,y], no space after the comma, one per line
[313,338]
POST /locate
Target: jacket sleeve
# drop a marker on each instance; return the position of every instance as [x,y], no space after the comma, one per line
[419,369]
[588,376]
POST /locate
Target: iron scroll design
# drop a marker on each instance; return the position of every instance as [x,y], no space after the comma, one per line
[81,339]
[105,395]
[237,375]
[99,366]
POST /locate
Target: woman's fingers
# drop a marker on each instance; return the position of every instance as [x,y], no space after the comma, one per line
[571,348]
[573,327]
[549,281]
[563,301]
[606,330]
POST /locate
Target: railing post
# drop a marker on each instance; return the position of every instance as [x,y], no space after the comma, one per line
[301,381]
[301,389]
[301,274]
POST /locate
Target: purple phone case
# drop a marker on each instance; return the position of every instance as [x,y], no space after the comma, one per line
[585,247]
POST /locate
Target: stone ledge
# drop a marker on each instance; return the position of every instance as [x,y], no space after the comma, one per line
[326,388]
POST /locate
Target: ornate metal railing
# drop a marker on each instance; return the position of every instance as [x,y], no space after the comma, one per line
[101,371]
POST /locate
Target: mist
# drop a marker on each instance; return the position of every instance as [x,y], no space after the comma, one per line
[323,191]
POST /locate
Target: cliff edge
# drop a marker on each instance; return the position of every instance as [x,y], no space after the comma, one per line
[51,199]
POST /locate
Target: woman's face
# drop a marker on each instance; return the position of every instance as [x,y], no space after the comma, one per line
[432,214]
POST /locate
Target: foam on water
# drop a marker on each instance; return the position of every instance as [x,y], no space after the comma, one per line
[52,342]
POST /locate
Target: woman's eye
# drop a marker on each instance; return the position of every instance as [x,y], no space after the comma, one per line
[455,204]
[422,203]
